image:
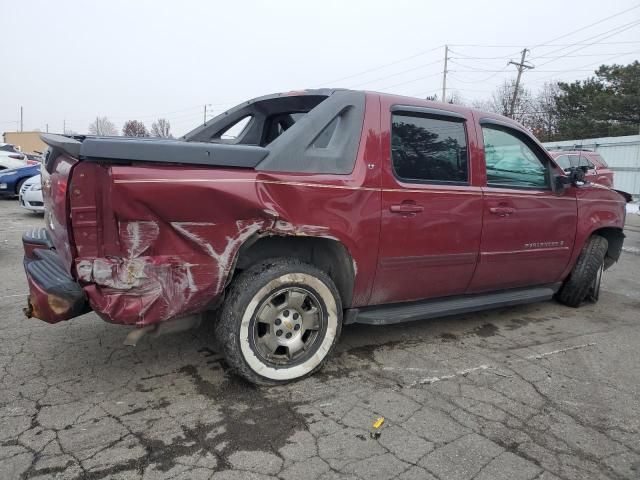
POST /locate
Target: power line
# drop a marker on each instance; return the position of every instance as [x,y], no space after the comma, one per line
[586,65]
[410,81]
[586,55]
[588,26]
[380,67]
[395,74]
[611,33]
[615,30]
[469,45]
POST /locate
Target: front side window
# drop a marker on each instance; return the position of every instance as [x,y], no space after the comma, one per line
[430,150]
[511,162]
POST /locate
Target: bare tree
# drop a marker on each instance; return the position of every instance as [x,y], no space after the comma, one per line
[161,128]
[544,119]
[134,128]
[500,102]
[453,98]
[456,99]
[102,126]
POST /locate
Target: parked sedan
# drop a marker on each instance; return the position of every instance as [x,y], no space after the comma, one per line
[11,157]
[12,179]
[598,170]
[31,195]
[33,158]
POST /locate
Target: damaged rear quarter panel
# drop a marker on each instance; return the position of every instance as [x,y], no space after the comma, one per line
[156,242]
[168,243]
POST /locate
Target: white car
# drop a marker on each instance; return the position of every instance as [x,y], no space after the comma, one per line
[11,157]
[30,196]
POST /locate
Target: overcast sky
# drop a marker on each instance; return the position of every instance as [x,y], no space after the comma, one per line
[141,60]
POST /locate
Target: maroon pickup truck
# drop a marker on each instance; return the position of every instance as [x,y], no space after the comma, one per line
[292,214]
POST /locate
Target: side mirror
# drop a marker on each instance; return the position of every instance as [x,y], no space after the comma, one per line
[575,176]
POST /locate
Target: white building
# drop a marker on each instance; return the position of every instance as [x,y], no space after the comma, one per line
[621,153]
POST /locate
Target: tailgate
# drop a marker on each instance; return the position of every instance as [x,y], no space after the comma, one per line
[59,160]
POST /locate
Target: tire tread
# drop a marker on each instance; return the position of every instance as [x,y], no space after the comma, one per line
[576,287]
[240,293]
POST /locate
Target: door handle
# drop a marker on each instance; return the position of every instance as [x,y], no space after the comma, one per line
[502,211]
[406,207]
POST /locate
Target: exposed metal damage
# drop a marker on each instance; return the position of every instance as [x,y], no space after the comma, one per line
[144,288]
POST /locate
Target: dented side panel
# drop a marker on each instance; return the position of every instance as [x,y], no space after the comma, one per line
[157,242]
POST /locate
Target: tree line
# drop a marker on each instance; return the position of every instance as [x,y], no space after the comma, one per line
[606,104]
[102,126]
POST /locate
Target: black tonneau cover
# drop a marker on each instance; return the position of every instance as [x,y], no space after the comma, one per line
[157,150]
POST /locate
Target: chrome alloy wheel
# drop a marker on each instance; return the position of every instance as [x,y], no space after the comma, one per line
[288,326]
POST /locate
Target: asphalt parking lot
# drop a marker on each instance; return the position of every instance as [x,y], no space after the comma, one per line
[532,392]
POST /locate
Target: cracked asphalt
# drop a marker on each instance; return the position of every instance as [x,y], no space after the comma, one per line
[532,392]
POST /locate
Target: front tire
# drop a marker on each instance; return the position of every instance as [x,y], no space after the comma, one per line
[280,321]
[584,280]
[19,185]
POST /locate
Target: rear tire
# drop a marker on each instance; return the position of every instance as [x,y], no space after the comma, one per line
[584,280]
[280,321]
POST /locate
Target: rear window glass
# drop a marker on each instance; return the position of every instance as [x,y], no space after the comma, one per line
[428,149]
[236,130]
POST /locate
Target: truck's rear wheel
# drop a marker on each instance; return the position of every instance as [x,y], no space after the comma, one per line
[280,321]
[583,282]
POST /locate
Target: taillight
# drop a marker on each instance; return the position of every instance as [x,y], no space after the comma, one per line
[61,189]
[32,162]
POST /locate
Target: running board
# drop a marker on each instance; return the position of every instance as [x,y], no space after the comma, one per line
[406,312]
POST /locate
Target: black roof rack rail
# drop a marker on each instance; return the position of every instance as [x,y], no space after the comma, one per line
[578,148]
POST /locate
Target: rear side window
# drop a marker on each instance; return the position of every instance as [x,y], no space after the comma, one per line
[429,150]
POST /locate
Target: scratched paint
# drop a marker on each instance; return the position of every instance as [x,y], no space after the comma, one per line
[143,287]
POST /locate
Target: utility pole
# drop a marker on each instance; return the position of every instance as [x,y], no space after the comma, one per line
[444,74]
[21,119]
[521,68]
[205,114]
[47,125]
[64,126]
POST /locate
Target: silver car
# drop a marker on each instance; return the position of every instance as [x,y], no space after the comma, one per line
[30,195]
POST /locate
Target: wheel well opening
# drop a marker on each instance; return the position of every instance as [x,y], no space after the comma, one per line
[615,239]
[328,255]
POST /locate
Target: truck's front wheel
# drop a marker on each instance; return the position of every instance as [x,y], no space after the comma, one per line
[280,321]
[584,280]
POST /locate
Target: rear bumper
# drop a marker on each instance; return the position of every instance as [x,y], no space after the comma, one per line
[53,294]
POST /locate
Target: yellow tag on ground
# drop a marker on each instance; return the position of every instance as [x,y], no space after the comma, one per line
[378,423]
